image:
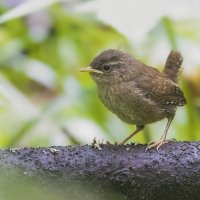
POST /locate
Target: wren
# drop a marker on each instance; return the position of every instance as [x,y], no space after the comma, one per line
[138,94]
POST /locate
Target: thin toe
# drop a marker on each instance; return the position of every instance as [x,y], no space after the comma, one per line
[157,144]
[151,145]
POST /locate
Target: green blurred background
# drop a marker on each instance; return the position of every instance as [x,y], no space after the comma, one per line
[45,100]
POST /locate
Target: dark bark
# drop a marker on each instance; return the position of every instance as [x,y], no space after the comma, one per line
[114,172]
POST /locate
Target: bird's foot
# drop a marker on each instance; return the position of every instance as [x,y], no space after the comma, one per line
[157,144]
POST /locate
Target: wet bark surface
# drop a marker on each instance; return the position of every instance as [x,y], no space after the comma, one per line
[108,172]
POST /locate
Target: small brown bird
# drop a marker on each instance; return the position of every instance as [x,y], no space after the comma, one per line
[138,94]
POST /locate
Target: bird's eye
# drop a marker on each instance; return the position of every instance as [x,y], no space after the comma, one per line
[106,68]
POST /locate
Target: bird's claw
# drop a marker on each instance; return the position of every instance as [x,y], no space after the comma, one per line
[156,144]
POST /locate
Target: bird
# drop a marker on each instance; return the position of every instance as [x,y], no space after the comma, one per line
[137,93]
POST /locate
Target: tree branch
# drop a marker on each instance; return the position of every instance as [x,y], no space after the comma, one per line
[114,172]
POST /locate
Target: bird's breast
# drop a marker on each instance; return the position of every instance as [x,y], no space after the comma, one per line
[129,103]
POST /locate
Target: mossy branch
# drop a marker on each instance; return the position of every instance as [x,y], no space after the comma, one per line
[114,172]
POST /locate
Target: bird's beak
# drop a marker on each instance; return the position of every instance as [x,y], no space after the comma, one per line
[90,69]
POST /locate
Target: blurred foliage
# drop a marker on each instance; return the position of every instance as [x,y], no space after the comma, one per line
[42,91]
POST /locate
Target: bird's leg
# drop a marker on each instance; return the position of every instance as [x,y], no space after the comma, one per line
[138,129]
[163,139]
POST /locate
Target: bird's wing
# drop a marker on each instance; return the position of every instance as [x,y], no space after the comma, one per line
[159,88]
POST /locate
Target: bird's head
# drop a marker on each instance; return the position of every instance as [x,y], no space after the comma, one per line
[110,66]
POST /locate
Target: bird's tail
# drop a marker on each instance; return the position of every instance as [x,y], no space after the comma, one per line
[173,65]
